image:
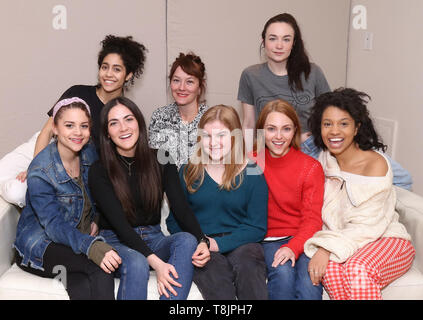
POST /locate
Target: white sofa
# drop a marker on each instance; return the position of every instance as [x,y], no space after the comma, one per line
[18,284]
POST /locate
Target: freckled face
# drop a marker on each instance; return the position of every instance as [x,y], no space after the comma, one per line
[279,131]
[216,140]
[185,88]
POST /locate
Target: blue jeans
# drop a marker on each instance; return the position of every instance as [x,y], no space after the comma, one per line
[402,177]
[286,282]
[308,147]
[176,249]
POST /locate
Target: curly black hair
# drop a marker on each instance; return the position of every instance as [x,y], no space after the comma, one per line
[132,53]
[354,102]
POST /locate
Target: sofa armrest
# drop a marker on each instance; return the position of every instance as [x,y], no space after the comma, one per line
[410,208]
[9,216]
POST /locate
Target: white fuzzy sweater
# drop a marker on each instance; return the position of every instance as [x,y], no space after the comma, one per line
[357,210]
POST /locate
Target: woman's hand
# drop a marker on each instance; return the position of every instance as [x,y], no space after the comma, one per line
[317,265]
[213,245]
[22,176]
[283,255]
[201,255]
[110,262]
[163,272]
[94,229]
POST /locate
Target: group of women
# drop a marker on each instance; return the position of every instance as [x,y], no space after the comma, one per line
[268,223]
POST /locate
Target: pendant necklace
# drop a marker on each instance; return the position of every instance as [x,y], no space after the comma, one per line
[127,164]
[72,172]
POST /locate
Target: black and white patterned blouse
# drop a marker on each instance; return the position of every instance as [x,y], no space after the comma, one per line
[169,132]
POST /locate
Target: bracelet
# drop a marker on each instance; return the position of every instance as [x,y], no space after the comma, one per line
[205,240]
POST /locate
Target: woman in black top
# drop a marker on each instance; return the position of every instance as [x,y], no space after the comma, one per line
[120,61]
[128,187]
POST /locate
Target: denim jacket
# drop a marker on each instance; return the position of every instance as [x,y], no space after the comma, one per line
[54,207]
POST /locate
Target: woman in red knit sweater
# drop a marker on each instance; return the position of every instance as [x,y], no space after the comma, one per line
[296,186]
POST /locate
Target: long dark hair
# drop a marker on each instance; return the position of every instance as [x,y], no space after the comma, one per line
[298,61]
[149,174]
[354,102]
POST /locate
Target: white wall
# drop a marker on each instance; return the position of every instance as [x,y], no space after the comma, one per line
[39,62]
[392,74]
[227,36]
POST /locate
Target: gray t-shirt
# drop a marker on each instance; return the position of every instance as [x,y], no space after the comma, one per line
[259,85]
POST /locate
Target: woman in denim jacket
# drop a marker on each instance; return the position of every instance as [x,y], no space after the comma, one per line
[56,231]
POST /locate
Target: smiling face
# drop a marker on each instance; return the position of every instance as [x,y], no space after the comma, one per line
[112,74]
[123,130]
[279,130]
[278,42]
[72,128]
[216,141]
[185,88]
[338,130]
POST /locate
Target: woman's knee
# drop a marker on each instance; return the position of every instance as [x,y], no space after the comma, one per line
[357,272]
[250,255]
[281,273]
[134,263]
[185,240]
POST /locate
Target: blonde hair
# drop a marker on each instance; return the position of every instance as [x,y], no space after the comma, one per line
[285,108]
[234,161]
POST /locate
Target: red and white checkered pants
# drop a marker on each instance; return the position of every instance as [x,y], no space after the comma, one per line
[369,270]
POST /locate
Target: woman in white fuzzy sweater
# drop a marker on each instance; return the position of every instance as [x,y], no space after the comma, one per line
[362,247]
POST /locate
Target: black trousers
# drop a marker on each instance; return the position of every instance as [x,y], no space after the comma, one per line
[239,274]
[84,279]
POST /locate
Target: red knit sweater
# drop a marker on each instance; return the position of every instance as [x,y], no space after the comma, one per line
[296,186]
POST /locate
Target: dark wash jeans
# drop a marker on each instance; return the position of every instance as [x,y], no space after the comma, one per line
[84,279]
[239,274]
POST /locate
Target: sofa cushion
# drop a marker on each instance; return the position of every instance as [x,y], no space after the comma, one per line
[18,160]
[18,284]
[8,220]
[408,287]
[410,208]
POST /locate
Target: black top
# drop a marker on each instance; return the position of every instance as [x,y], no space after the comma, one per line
[113,217]
[89,95]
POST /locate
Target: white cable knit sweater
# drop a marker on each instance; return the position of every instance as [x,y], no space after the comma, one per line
[355,212]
